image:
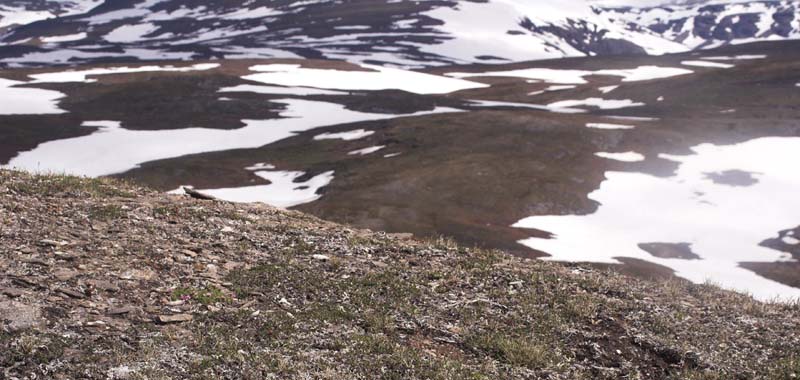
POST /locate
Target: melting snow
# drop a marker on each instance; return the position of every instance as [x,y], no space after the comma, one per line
[27,101]
[366,151]
[245,14]
[346,136]
[707,64]
[641,73]
[283,190]
[609,126]
[607,89]
[494,103]
[130,33]
[19,16]
[64,38]
[80,76]
[736,57]
[689,207]
[113,149]
[596,102]
[374,78]
[275,90]
[624,157]
[260,166]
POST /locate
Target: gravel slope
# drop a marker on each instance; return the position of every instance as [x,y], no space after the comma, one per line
[101,279]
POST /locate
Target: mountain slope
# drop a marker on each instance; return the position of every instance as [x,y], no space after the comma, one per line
[402,32]
[704,26]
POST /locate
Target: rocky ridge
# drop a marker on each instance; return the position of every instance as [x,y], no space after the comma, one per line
[102,279]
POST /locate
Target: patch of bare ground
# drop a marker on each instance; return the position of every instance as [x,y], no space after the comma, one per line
[102,279]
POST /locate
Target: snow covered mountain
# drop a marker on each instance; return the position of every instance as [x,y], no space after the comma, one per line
[400,32]
[711,25]
[22,12]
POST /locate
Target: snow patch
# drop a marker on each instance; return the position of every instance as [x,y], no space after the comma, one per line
[688,207]
[113,149]
[374,78]
[81,76]
[64,38]
[275,90]
[609,126]
[641,73]
[346,136]
[707,64]
[366,151]
[27,101]
[600,103]
[283,191]
[624,157]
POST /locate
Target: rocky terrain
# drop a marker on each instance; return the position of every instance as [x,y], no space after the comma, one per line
[105,280]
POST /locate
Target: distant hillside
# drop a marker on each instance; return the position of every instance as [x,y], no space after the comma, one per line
[399,32]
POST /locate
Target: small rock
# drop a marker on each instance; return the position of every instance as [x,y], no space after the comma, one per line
[36,261]
[232,265]
[65,274]
[12,292]
[103,285]
[70,293]
[138,274]
[119,373]
[65,256]
[18,316]
[189,253]
[177,318]
[284,302]
[119,310]
[321,257]
[50,243]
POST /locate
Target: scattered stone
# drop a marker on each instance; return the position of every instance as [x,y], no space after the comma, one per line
[176,318]
[25,281]
[138,274]
[49,243]
[16,316]
[65,274]
[36,261]
[321,257]
[232,265]
[71,293]
[65,256]
[284,302]
[103,285]
[189,253]
[12,292]
[120,310]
